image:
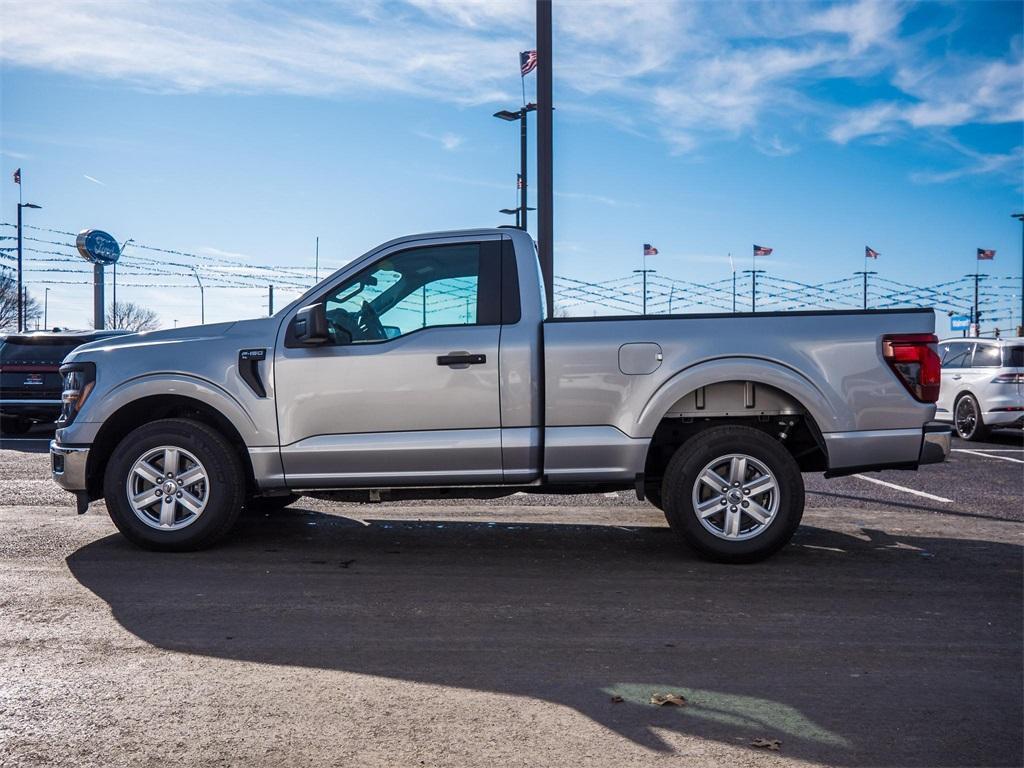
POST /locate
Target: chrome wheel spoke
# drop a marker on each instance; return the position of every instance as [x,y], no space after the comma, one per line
[191,476]
[170,461]
[737,469]
[732,523]
[709,507]
[190,502]
[145,499]
[712,479]
[757,512]
[760,485]
[147,471]
[167,513]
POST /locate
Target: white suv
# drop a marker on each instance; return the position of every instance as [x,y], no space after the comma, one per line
[982,385]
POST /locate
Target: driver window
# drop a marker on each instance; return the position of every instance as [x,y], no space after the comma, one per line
[405,292]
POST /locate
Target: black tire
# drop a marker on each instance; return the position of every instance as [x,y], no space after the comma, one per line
[15,426]
[976,430]
[681,477]
[225,490]
[265,505]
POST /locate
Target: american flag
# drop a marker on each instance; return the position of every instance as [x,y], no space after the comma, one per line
[986,254]
[650,250]
[17,176]
[870,253]
[519,181]
[527,62]
[761,250]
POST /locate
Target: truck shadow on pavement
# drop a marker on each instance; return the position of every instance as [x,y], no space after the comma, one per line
[851,648]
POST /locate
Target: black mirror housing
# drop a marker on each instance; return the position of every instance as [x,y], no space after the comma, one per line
[310,325]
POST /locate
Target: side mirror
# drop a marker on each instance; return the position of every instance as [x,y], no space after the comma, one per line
[310,325]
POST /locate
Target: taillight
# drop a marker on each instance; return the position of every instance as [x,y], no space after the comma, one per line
[1009,378]
[914,358]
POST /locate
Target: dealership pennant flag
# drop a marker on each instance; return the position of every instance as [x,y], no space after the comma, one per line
[986,254]
[760,250]
[650,250]
[17,176]
[527,62]
[870,253]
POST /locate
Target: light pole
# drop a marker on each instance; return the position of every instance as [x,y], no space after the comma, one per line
[753,286]
[865,273]
[975,312]
[511,116]
[46,308]
[21,299]
[202,298]
[644,273]
[120,253]
[1020,328]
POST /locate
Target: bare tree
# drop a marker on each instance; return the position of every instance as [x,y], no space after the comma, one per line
[9,304]
[132,317]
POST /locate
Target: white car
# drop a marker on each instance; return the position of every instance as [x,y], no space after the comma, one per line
[982,385]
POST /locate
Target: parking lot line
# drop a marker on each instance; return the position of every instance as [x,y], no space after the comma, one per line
[903,488]
[988,455]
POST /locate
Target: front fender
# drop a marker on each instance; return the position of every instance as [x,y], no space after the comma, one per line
[830,413]
[97,411]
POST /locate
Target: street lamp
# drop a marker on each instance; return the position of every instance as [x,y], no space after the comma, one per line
[202,298]
[46,309]
[753,286]
[511,116]
[21,298]
[1020,328]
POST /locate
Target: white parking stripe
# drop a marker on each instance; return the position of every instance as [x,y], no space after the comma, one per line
[904,489]
[989,455]
[993,450]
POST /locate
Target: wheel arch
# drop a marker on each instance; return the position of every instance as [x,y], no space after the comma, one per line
[756,402]
[150,408]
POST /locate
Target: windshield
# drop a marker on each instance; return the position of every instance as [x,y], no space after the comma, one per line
[1013,357]
[38,352]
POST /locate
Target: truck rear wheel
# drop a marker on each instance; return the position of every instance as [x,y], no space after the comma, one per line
[734,494]
[174,485]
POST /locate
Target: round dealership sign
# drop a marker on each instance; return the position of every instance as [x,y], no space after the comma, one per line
[97,246]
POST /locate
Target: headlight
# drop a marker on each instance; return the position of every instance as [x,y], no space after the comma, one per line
[79,380]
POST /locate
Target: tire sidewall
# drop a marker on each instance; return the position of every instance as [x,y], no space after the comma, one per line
[690,460]
[224,477]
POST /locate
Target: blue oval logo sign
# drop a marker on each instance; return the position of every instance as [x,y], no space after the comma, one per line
[97,246]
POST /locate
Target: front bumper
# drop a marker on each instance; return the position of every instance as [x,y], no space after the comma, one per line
[67,466]
[936,443]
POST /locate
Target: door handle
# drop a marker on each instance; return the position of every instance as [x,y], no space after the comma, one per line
[957,378]
[461,358]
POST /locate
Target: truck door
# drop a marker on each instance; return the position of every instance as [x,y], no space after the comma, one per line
[405,392]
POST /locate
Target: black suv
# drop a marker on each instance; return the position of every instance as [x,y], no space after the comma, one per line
[30,381]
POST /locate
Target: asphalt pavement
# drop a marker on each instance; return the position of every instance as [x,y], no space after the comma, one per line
[527,632]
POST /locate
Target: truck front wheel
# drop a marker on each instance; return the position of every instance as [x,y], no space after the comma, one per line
[174,485]
[734,494]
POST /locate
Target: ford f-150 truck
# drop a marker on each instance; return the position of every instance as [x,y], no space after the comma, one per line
[426,368]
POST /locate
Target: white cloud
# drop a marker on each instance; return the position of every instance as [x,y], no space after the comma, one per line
[688,73]
[449,141]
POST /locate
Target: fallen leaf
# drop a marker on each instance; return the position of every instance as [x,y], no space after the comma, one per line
[668,700]
[617,699]
[773,744]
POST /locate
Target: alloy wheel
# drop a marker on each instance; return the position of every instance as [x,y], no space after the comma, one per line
[735,497]
[168,488]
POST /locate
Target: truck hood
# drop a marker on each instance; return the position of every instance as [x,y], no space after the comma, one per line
[192,336]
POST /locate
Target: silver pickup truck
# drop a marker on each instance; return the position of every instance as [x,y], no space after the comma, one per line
[425,368]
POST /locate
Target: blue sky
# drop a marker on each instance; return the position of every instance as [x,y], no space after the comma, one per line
[245,130]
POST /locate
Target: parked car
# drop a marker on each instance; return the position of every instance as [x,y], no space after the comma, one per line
[30,381]
[711,417]
[982,385]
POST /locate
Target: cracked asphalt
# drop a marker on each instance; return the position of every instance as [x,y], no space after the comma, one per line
[504,633]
